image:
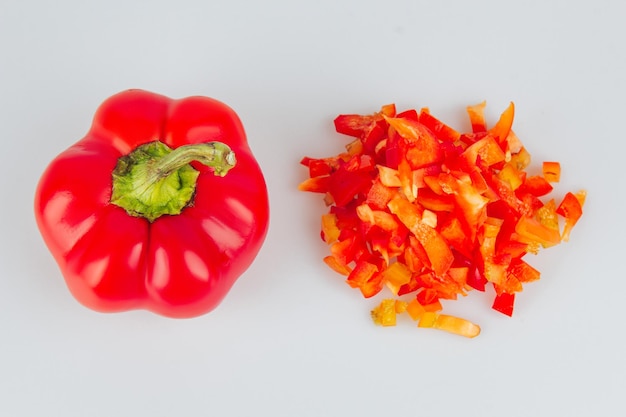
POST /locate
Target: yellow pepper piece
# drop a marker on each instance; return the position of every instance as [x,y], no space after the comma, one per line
[385,313]
[451,324]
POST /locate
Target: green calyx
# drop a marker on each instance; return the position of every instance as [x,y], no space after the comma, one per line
[155,179]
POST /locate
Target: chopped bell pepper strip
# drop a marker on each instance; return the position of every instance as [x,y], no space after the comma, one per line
[449,324]
[359,126]
[380,193]
[581,196]
[422,210]
[500,131]
[547,216]
[504,303]
[442,131]
[514,145]
[523,272]
[345,185]
[493,270]
[433,306]
[551,171]
[415,309]
[532,230]
[337,265]
[476,280]
[419,146]
[571,209]
[438,203]
[396,275]
[520,159]
[513,176]
[377,218]
[330,231]
[472,205]
[315,185]
[535,185]
[476,115]
[487,149]
[385,313]
[366,277]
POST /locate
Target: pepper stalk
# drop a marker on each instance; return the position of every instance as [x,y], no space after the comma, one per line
[154,179]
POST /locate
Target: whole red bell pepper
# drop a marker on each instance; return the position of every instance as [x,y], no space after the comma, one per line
[161,206]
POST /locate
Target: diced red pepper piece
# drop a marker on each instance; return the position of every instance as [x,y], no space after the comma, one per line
[535,185]
[377,218]
[315,185]
[531,230]
[456,235]
[408,114]
[345,185]
[477,117]
[571,209]
[476,279]
[431,201]
[441,130]
[317,167]
[419,147]
[523,272]
[502,128]
[354,125]
[504,191]
[365,276]
[485,151]
[504,303]
[372,287]
[359,126]
[349,249]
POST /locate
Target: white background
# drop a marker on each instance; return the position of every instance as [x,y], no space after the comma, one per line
[292,339]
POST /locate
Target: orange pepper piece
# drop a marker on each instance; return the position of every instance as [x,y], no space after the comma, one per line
[551,171]
[571,209]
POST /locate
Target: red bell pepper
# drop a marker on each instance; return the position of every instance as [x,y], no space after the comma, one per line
[151,209]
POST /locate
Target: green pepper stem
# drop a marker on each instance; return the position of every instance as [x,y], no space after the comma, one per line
[154,180]
[216,155]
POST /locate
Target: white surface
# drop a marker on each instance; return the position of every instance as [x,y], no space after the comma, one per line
[292,339]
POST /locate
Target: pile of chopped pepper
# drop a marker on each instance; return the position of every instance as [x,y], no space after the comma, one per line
[431,213]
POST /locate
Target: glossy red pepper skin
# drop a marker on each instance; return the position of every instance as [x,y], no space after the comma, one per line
[178,265]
